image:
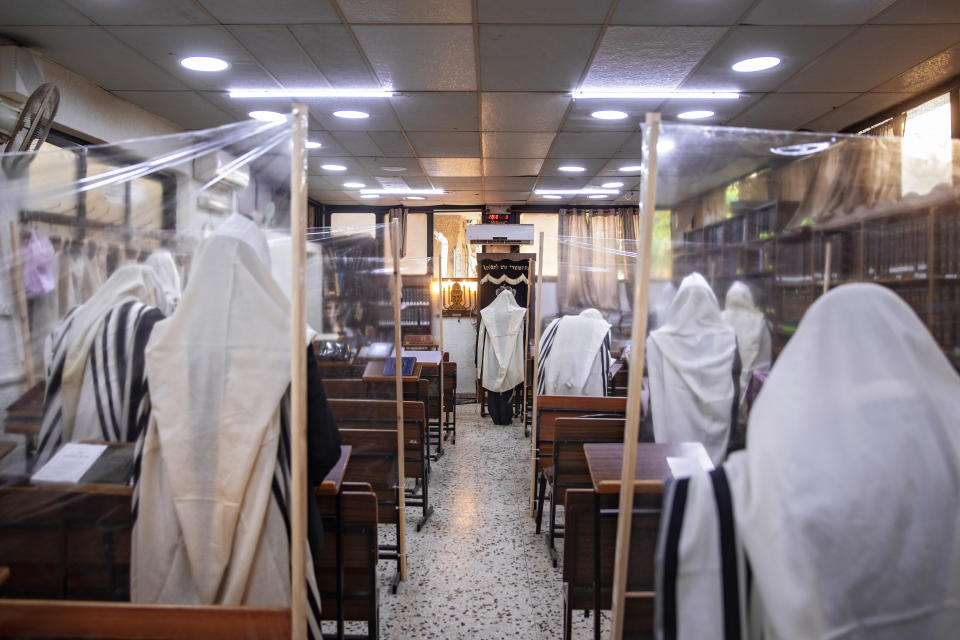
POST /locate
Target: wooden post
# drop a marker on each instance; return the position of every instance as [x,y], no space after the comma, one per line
[16,277]
[826,266]
[438,300]
[536,375]
[298,377]
[398,353]
[531,290]
[651,133]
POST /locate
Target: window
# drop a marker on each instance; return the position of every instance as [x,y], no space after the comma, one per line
[549,225]
[458,259]
[342,224]
[926,151]
[415,260]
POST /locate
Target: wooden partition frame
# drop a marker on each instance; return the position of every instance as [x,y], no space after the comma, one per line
[651,134]
[437,307]
[102,619]
[536,376]
[398,376]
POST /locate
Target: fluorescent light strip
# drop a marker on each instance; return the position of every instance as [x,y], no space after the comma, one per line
[591,94]
[574,192]
[405,192]
[311,93]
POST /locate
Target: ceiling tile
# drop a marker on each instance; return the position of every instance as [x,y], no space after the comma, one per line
[358,143]
[31,12]
[277,50]
[459,184]
[420,58]
[654,57]
[632,147]
[400,11]
[354,167]
[139,11]
[674,12]
[813,12]
[723,110]
[329,147]
[852,65]
[464,167]
[184,108]
[165,46]
[333,51]
[579,118]
[97,56]
[511,167]
[592,166]
[612,168]
[505,197]
[927,74]
[786,111]
[420,182]
[437,111]
[463,198]
[381,115]
[509,184]
[260,12]
[543,11]
[445,145]
[374,165]
[239,108]
[926,12]
[516,145]
[336,182]
[795,46]
[392,143]
[524,58]
[855,110]
[596,144]
[523,111]
[562,182]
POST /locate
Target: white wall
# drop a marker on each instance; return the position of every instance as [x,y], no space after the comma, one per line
[460,341]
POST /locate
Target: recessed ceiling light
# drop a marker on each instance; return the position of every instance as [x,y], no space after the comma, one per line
[204,63]
[393,168]
[697,114]
[571,168]
[597,196]
[803,149]
[351,115]
[609,114]
[756,64]
[401,191]
[354,185]
[414,198]
[312,144]
[611,185]
[369,196]
[651,94]
[631,167]
[311,92]
[550,196]
[333,167]
[267,116]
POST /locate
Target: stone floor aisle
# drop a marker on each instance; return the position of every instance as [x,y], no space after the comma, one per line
[477,570]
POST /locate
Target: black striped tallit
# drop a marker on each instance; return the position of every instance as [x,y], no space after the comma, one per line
[546,342]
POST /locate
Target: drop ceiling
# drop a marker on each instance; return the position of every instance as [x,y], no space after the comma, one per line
[482,106]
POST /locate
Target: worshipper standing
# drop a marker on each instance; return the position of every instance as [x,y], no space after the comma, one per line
[841,519]
[657,314]
[753,334]
[165,266]
[94,363]
[691,360]
[575,356]
[500,357]
[211,500]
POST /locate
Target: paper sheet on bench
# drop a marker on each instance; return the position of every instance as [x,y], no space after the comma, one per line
[682,467]
[69,463]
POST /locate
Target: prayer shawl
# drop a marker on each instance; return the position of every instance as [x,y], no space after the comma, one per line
[659,309]
[845,500]
[211,501]
[500,357]
[750,325]
[166,267]
[575,356]
[690,364]
[95,387]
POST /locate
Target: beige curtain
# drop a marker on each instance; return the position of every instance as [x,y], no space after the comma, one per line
[590,247]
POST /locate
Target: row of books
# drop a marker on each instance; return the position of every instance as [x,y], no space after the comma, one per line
[947,243]
[945,323]
[792,303]
[410,317]
[758,224]
[896,247]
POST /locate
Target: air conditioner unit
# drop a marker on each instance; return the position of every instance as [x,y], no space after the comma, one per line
[500,234]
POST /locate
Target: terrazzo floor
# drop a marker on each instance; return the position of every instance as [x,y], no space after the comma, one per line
[477,569]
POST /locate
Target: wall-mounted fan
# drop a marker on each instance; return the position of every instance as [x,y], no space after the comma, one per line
[32,128]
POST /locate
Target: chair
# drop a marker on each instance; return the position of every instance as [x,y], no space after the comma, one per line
[450,401]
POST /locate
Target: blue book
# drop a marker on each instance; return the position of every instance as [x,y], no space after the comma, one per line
[407,364]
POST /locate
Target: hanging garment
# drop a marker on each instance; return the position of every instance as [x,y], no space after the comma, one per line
[844,502]
[500,357]
[94,362]
[575,356]
[211,501]
[750,325]
[690,362]
[165,266]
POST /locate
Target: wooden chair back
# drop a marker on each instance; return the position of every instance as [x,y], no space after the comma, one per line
[354,388]
[329,369]
[382,415]
[373,460]
[449,386]
[570,468]
[550,408]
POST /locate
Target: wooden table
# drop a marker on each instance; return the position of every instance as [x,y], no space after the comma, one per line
[605,462]
[331,487]
[423,357]
[25,416]
[374,372]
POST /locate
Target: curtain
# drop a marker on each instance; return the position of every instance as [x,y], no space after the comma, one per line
[399,213]
[591,245]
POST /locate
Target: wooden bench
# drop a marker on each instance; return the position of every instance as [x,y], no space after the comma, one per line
[578,561]
[362,415]
[345,388]
[417,390]
[431,375]
[334,369]
[570,470]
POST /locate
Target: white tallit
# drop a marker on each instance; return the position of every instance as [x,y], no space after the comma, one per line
[575,356]
[845,499]
[750,325]
[500,343]
[210,522]
[660,307]
[162,262]
[690,363]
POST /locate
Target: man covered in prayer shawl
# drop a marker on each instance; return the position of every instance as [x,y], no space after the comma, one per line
[841,519]
[500,357]
[211,500]
[93,362]
[575,356]
[691,360]
[753,335]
